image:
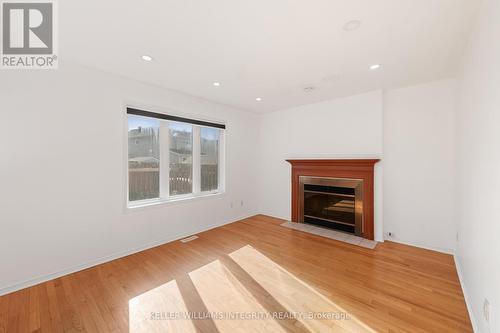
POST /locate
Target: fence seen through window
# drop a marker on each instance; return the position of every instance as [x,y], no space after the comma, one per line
[168,159]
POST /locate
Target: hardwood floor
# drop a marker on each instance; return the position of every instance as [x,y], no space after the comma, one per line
[248,269]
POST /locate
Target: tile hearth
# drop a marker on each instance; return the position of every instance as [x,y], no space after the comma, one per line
[332,234]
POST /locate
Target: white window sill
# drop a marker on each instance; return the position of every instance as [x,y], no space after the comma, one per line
[144,204]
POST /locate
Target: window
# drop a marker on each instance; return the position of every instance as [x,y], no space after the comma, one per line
[143,158]
[181,158]
[209,158]
[171,157]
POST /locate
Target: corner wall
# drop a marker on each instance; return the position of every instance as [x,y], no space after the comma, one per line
[420,165]
[412,131]
[479,172]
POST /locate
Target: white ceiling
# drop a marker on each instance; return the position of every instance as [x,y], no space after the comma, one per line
[268,48]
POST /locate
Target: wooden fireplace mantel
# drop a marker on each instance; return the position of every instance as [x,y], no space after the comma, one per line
[338,168]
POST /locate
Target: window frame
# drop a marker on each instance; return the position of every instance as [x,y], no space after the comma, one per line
[164,168]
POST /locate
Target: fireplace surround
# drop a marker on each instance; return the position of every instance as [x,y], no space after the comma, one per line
[334,193]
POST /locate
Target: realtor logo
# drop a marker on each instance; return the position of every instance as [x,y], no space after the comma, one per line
[28,30]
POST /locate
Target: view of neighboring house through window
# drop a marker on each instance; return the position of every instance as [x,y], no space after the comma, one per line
[172,157]
[181,158]
[209,158]
[143,158]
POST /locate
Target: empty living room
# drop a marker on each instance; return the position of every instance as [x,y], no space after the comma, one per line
[249,166]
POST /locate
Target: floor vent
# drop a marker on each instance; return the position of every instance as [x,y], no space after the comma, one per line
[188,239]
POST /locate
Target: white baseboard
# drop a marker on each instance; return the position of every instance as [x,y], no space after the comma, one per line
[437,249]
[73,269]
[466,295]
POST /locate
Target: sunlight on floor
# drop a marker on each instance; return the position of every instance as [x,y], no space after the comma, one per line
[147,310]
[224,294]
[294,294]
[243,292]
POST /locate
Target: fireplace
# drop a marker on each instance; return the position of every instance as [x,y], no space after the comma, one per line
[335,203]
[337,194]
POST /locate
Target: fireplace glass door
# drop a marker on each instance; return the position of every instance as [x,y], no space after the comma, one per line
[332,203]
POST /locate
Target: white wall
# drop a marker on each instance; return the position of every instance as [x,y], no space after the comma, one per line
[62,172]
[479,173]
[343,128]
[420,165]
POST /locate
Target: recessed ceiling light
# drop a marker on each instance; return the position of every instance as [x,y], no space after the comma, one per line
[352,25]
[376,66]
[216,84]
[258,99]
[147,58]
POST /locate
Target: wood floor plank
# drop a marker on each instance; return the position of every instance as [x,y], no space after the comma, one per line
[4,314]
[251,266]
